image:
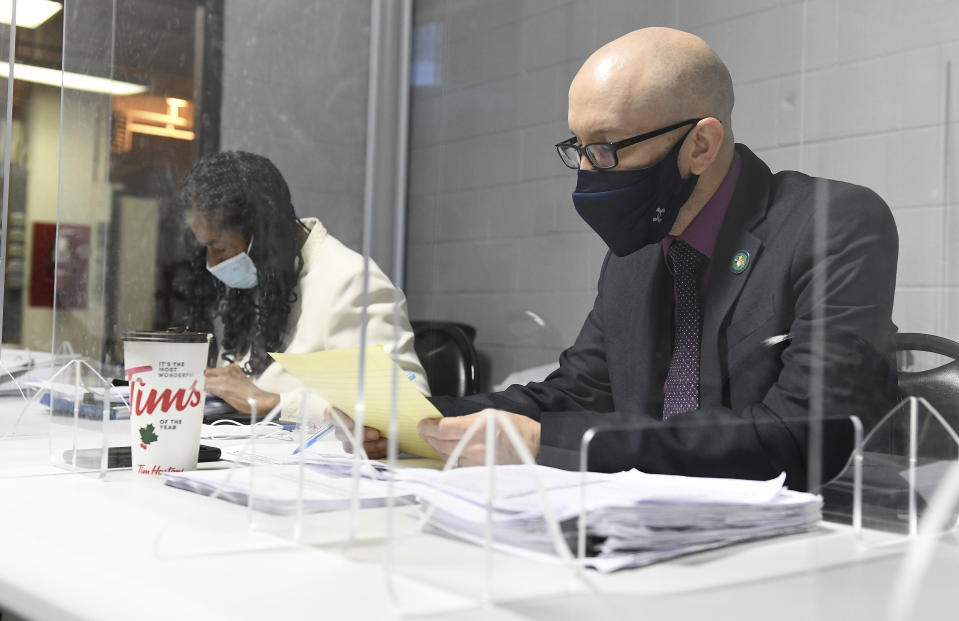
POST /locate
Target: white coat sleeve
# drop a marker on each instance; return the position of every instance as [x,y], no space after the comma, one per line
[330,318]
[345,320]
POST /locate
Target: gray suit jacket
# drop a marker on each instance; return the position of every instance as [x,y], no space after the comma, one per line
[755,397]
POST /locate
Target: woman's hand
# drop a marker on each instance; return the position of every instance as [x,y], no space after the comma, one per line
[233,386]
[374,444]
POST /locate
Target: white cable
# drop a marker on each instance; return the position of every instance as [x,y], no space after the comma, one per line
[261,430]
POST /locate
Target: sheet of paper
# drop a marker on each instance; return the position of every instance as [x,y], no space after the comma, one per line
[335,375]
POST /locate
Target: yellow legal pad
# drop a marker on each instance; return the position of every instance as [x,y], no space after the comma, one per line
[335,375]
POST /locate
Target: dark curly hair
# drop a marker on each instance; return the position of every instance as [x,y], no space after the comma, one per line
[245,193]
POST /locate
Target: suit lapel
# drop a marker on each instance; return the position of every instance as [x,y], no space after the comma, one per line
[648,347]
[746,209]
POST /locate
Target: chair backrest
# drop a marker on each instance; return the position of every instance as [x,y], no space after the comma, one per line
[446,351]
[939,386]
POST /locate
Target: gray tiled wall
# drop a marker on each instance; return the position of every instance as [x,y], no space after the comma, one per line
[294,89]
[848,89]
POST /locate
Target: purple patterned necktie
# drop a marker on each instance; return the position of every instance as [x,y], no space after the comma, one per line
[682,383]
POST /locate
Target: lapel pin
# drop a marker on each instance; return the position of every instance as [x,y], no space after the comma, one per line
[740,262]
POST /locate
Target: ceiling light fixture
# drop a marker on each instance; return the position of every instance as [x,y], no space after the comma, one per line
[70,80]
[30,13]
[169,125]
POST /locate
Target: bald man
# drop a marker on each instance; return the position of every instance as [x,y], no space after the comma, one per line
[728,297]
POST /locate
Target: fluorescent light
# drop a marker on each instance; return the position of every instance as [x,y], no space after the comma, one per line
[30,13]
[74,81]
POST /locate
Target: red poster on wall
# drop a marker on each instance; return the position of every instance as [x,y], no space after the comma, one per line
[63,263]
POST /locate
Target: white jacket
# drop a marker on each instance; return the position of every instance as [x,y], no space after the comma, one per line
[326,315]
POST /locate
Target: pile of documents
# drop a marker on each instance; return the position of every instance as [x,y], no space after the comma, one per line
[65,399]
[328,453]
[276,489]
[632,518]
[20,367]
[61,398]
[274,483]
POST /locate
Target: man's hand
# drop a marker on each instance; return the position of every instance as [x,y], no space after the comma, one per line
[233,386]
[444,433]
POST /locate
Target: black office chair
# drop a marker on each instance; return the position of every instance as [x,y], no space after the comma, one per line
[885,487]
[939,386]
[446,351]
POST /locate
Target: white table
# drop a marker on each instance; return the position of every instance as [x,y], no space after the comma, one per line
[75,547]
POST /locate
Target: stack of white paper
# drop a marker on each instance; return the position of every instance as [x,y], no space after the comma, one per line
[633,518]
[20,367]
[278,453]
[276,489]
[327,453]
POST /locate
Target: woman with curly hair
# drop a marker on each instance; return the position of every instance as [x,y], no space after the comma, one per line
[264,280]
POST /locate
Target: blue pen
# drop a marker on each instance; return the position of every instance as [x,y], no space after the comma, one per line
[322,433]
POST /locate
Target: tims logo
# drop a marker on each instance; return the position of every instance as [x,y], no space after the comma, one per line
[148,401]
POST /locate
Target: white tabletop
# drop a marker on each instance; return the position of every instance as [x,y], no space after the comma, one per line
[77,547]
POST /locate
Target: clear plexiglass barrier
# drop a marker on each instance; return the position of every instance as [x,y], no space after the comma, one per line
[492,325]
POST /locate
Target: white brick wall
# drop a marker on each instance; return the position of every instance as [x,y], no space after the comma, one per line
[847,89]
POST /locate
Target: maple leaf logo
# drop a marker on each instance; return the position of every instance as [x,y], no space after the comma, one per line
[147,436]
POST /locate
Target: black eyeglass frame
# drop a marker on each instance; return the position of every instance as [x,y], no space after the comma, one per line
[570,143]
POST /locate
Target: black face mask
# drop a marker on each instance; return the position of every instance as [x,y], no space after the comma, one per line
[630,209]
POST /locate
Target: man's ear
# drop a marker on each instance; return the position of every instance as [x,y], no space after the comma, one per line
[704,143]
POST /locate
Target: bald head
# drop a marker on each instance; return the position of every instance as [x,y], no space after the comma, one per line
[647,79]
[650,79]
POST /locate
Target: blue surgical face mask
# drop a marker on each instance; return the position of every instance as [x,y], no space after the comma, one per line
[237,272]
[630,209]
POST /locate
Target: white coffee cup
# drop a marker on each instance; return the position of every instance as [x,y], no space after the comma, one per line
[165,372]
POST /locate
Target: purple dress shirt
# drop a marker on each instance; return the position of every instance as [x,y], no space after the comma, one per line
[703,231]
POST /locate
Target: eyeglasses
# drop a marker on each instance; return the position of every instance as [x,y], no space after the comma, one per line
[603,154]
